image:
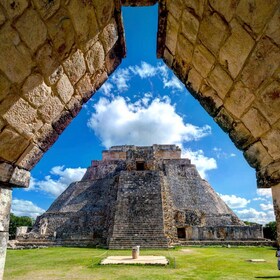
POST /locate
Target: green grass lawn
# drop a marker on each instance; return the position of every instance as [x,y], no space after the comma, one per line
[190,263]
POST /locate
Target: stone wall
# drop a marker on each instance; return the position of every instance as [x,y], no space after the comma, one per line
[224,233]
[54,56]
[227,53]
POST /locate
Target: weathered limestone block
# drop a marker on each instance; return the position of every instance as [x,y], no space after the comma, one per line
[190,25]
[203,60]
[210,100]
[98,79]
[272,142]
[4,237]
[109,36]
[273,28]
[269,175]
[85,87]
[95,57]
[82,14]
[4,87]
[236,49]
[239,99]
[30,157]
[46,8]
[51,109]
[14,8]
[224,120]
[6,171]
[194,79]
[75,66]
[20,178]
[2,17]
[183,55]
[168,58]
[175,8]
[49,64]
[213,31]
[171,34]
[16,63]
[5,202]
[27,122]
[61,32]
[46,137]
[35,90]
[261,63]
[196,5]
[62,122]
[257,156]
[241,136]
[220,81]
[226,8]
[112,60]
[256,13]
[64,88]
[31,29]
[75,105]
[268,101]
[255,122]
[104,10]
[11,144]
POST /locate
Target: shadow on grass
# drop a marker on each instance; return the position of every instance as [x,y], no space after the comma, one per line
[268,277]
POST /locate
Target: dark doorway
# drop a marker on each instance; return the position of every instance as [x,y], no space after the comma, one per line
[140,165]
[181,232]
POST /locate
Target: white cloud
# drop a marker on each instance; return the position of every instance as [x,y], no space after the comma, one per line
[252,215]
[174,83]
[234,201]
[145,70]
[58,180]
[264,192]
[107,88]
[120,122]
[121,78]
[203,163]
[266,207]
[222,154]
[26,208]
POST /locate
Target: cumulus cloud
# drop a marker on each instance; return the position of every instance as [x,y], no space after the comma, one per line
[234,201]
[26,208]
[58,180]
[145,70]
[253,215]
[144,122]
[107,88]
[121,78]
[202,162]
[264,193]
[265,207]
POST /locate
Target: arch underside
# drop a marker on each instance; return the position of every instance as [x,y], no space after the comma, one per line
[56,54]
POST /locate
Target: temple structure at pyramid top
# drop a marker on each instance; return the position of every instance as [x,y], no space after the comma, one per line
[147,196]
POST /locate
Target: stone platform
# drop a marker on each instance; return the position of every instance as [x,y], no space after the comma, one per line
[147,260]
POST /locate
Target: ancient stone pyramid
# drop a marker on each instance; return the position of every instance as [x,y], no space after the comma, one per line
[145,196]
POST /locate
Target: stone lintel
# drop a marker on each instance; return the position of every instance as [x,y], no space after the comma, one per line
[13,176]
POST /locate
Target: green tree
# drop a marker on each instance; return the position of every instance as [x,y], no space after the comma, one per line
[269,231]
[16,221]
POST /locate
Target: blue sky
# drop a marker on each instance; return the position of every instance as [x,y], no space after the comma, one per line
[143,103]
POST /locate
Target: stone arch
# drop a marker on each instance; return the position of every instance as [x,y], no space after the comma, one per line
[55,54]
